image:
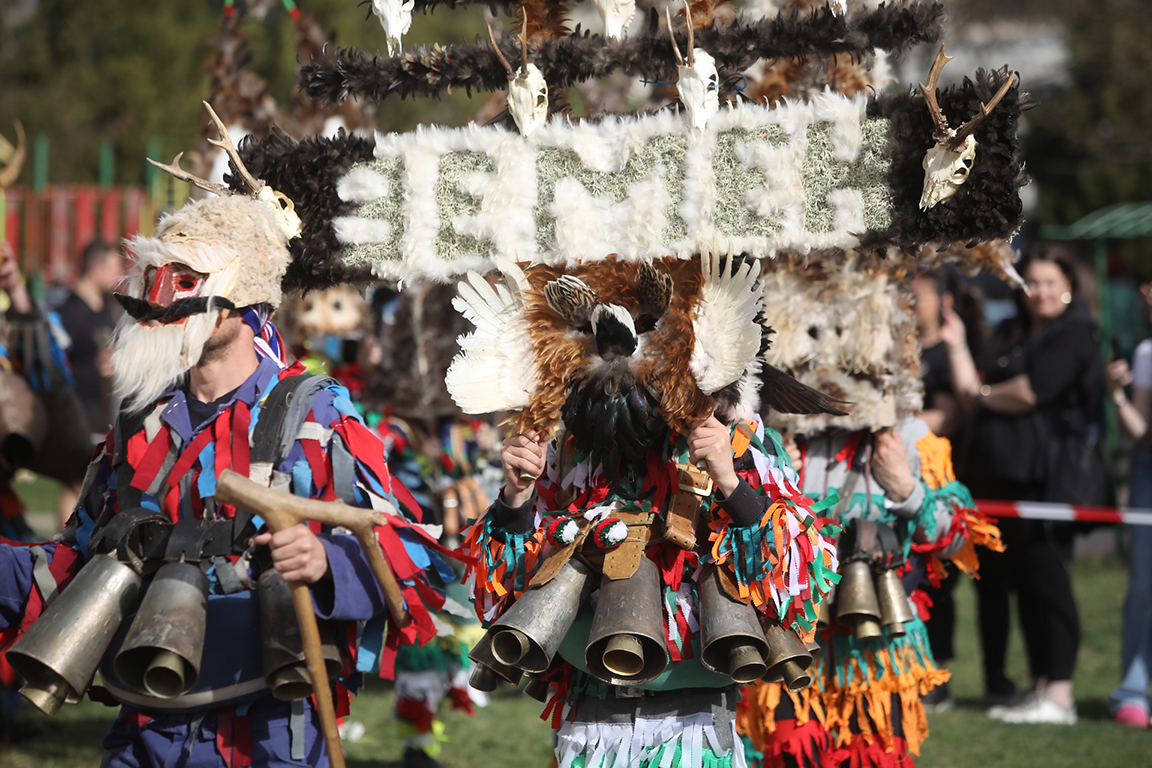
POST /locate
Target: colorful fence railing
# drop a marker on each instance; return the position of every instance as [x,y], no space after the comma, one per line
[49,229]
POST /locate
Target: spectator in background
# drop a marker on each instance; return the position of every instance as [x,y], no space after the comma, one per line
[935,291]
[1130,703]
[933,295]
[1032,439]
[87,314]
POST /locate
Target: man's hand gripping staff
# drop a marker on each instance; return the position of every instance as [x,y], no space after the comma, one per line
[282,511]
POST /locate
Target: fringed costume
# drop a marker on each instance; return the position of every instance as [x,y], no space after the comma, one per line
[191,626]
[863,707]
[629,317]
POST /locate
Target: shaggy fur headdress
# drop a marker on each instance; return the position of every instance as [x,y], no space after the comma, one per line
[620,352]
[233,238]
[848,330]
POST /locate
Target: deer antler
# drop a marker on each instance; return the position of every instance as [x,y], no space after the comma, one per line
[691,35]
[672,36]
[985,109]
[943,131]
[495,47]
[225,143]
[524,43]
[175,170]
[10,172]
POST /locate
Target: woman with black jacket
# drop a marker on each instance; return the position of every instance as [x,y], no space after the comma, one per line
[1031,438]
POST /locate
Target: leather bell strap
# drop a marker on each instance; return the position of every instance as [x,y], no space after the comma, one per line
[695,484]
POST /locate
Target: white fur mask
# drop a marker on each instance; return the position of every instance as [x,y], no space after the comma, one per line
[148,359]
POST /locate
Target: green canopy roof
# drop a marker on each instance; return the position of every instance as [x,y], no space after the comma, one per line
[1122,221]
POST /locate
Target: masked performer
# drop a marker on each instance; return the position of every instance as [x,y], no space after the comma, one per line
[849,331]
[201,670]
[658,550]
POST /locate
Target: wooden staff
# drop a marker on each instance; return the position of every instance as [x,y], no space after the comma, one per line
[283,510]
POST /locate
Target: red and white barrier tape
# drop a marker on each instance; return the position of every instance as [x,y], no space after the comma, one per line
[1040,510]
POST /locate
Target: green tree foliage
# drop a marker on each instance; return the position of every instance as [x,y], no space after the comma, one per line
[86,71]
[1090,146]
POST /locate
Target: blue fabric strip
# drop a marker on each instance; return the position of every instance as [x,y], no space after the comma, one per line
[302,479]
[206,483]
[371,644]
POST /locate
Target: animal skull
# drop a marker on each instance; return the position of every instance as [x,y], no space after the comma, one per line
[617,16]
[698,81]
[528,99]
[698,89]
[945,170]
[948,162]
[395,17]
[527,88]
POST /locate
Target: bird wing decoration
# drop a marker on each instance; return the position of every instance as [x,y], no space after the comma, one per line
[784,393]
[493,371]
[727,334]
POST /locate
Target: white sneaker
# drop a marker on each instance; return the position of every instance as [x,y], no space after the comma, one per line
[1036,708]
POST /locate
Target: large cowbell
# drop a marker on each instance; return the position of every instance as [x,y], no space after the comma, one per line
[788,659]
[59,654]
[283,648]
[161,654]
[489,670]
[529,633]
[626,644]
[731,640]
[893,598]
[856,602]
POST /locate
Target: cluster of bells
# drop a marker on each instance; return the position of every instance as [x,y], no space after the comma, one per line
[866,600]
[626,643]
[159,652]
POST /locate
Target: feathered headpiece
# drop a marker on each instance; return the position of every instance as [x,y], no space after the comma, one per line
[635,249]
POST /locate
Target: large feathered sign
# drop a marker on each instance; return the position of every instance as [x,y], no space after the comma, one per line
[832,173]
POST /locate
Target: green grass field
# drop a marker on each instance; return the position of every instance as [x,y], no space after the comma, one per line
[509,732]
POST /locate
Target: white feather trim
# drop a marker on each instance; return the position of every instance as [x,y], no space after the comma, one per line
[639,187]
[490,373]
[727,335]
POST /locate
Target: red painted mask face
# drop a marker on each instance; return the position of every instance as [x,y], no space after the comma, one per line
[167,284]
[171,282]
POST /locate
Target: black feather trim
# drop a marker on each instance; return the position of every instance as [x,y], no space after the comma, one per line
[582,56]
[307,172]
[988,205]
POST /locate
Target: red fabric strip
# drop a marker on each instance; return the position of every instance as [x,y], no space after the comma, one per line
[137,445]
[224,718]
[152,460]
[396,554]
[848,452]
[222,429]
[431,597]
[367,449]
[241,419]
[189,456]
[317,461]
[407,500]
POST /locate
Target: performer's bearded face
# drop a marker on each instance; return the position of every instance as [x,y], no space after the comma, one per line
[171,312]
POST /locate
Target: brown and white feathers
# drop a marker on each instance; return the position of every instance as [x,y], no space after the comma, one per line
[848,331]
